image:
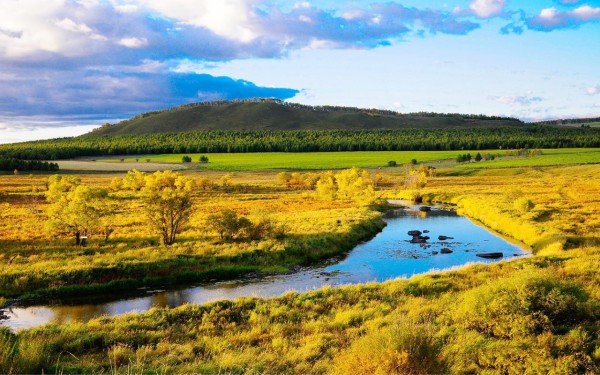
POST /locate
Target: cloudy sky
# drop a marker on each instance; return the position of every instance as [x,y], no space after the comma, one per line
[67,66]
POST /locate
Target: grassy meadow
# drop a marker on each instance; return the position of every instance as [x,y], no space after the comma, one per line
[299,160]
[364,159]
[530,315]
[36,263]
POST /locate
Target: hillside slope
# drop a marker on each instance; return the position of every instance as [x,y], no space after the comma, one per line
[271,114]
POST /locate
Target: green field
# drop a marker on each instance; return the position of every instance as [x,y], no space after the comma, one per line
[367,159]
[302,160]
[552,157]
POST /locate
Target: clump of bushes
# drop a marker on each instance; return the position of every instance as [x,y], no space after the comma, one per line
[418,177]
[231,226]
[523,204]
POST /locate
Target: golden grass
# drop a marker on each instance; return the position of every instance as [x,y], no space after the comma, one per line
[531,315]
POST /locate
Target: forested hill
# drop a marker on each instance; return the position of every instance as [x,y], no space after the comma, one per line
[273,114]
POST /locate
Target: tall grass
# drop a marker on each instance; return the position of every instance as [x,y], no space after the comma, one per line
[532,315]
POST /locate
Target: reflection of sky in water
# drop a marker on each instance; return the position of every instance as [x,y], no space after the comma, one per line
[387,256]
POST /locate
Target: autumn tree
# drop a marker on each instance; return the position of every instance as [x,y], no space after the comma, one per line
[228,224]
[231,226]
[354,183]
[326,187]
[75,208]
[168,203]
[418,177]
[134,180]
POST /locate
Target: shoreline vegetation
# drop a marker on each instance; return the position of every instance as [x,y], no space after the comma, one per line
[539,312]
[123,252]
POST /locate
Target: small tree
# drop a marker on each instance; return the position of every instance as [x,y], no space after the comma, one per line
[203,159]
[205,183]
[186,159]
[225,180]
[134,180]
[326,187]
[478,157]
[75,209]
[168,203]
[228,224]
[283,178]
[418,177]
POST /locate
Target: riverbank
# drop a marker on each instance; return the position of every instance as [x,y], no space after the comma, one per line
[389,255]
[36,265]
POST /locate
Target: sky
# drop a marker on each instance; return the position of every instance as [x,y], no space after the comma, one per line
[69,66]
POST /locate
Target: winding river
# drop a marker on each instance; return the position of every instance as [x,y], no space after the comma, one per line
[388,255]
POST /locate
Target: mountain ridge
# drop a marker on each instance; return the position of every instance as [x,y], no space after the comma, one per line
[277,115]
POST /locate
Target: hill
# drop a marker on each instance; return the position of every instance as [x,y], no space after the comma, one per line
[273,114]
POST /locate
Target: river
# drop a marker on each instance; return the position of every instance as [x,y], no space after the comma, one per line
[388,255]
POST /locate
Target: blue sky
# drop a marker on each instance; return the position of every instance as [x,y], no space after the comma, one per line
[67,66]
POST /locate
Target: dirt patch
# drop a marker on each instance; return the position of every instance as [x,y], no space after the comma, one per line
[89,165]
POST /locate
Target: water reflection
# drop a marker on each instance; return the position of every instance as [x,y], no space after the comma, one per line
[388,255]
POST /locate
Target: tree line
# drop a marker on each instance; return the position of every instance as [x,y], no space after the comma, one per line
[306,141]
[12,164]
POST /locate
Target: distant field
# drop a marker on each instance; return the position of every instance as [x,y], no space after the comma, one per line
[301,160]
[364,159]
[565,156]
[89,165]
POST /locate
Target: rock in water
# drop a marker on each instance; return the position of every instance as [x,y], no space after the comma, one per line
[490,255]
[445,250]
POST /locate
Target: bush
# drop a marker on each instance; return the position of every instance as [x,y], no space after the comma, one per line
[203,159]
[186,159]
[523,204]
[230,226]
[392,163]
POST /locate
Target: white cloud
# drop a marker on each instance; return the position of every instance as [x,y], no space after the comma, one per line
[232,19]
[70,25]
[133,42]
[303,4]
[353,14]
[304,18]
[487,8]
[30,27]
[586,12]
[552,18]
[517,100]
[593,90]
[549,13]
[127,8]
